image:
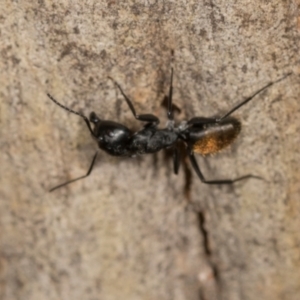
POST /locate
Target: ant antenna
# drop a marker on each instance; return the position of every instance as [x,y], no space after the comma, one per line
[74,112]
[251,97]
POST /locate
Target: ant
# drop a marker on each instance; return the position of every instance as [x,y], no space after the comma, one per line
[200,135]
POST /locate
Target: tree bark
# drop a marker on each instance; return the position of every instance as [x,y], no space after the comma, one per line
[133,229]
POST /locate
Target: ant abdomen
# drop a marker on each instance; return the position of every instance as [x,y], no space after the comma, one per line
[214,137]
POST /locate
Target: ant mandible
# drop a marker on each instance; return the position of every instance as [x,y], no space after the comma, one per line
[200,135]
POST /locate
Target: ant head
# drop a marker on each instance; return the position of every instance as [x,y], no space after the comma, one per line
[111,137]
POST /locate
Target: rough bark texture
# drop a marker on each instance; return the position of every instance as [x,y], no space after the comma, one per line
[127,231]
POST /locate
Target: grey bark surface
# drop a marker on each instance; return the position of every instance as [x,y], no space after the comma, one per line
[128,231]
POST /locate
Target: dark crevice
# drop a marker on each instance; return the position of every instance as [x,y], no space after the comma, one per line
[209,255]
[201,296]
[188,179]
[201,218]
[216,272]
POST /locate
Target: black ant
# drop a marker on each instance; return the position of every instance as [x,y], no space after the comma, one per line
[200,135]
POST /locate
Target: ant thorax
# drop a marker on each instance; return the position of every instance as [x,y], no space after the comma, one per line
[170,125]
[183,125]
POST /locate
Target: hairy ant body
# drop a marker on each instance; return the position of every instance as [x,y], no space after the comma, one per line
[200,135]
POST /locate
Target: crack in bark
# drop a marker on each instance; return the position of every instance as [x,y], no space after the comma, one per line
[204,233]
[208,253]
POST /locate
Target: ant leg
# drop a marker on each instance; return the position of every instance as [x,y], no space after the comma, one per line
[251,97]
[176,159]
[170,107]
[81,177]
[145,117]
[176,153]
[202,121]
[222,181]
[74,112]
